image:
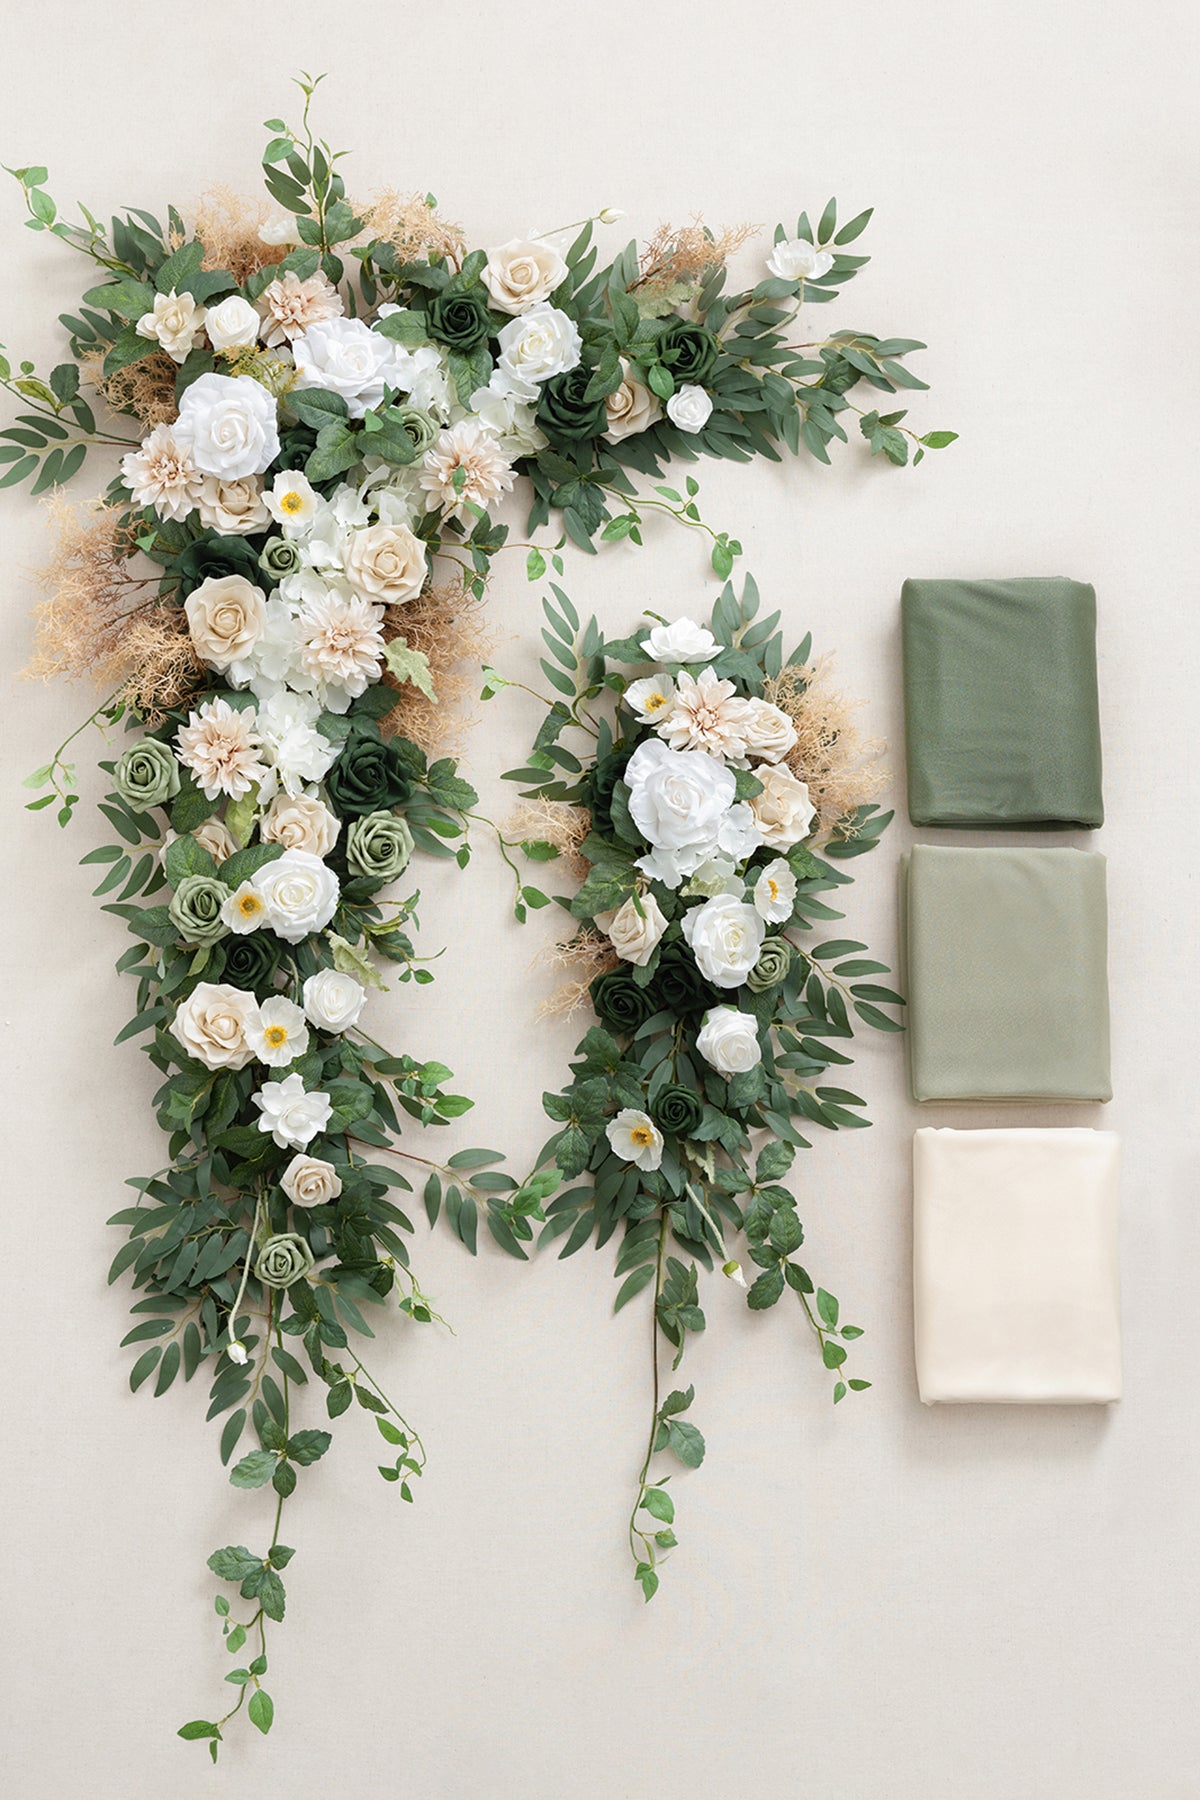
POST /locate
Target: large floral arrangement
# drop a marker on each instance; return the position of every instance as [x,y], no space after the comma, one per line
[691,799]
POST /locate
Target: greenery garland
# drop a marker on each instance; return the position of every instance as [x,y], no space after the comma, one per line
[691,803]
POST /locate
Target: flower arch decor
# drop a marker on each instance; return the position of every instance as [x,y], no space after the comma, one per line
[311,410]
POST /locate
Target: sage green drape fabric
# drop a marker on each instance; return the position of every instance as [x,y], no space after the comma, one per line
[1006,953]
[1001,709]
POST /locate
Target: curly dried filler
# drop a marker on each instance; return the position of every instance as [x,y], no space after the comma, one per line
[143,390]
[588,954]
[678,256]
[839,764]
[446,625]
[411,225]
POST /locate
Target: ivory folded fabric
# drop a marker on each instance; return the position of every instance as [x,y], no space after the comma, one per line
[1006,955]
[1000,702]
[1015,1266]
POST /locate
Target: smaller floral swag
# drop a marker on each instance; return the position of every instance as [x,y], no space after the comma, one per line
[690,813]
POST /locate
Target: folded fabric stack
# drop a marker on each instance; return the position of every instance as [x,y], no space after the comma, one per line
[1015,1272]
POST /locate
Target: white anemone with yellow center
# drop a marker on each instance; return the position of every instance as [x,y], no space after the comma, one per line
[245,910]
[636,1138]
[292,502]
[280,1033]
[651,698]
[775,892]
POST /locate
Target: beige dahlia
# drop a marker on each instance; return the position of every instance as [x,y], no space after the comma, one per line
[289,306]
[465,465]
[221,747]
[707,714]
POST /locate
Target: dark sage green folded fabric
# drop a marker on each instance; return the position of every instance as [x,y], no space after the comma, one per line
[1006,956]
[1000,703]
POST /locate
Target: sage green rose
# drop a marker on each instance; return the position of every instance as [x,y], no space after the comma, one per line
[771,969]
[147,774]
[196,909]
[279,557]
[282,1260]
[415,425]
[379,846]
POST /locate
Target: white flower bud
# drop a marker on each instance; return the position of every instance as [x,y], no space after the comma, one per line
[734,1272]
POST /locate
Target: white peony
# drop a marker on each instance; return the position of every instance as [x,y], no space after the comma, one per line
[726,936]
[636,1138]
[541,343]
[346,357]
[795,259]
[310,1181]
[295,752]
[783,810]
[728,1040]
[678,800]
[292,502]
[334,1000]
[768,732]
[683,641]
[280,1033]
[634,935]
[226,616]
[650,698]
[300,894]
[508,419]
[231,424]
[520,273]
[775,892]
[232,324]
[174,323]
[291,1115]
[214,1024]
[689,408]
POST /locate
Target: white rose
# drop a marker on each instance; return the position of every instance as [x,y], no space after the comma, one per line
[636,1138]
[783,810]
[348,358]
[631,408]
[334,1000]
[634,935]
[386,564]
[231,424]
[541,343]
[226,617]
[300,822]
[728,1041]
[726,936]
[522,272]
[683,641]
[678,799]
[234,508]
[651,698]
[795,259]
[232,324]
[214,1024]
[310,1181]
[300,894]
[292,1116]
[767,731]
[775,892]
[174,322]
[690,407]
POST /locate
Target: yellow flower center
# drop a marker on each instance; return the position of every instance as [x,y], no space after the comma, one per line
[292,503]
[655,702]
[773,887]
[248,905]
[642,1136]
[275,1035]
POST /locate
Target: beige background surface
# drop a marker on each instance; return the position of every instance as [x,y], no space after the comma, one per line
[883,1603]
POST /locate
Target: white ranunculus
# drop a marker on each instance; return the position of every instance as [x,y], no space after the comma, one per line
[650,698]
[631,408]
[634,935]
[690,407]
[636,1138]
[726,936]
[767,731]
[292,502]
[683,641]
[522,272]
[291,1115]
[300,894]
[280,1033]
[333,1000]
[346,357]
[775,892]
[728,1040]
[214,1025]
[678,800]
[795,259]
[231,425]
[537,345]
[232,324]
[783,810]
[300,822]
[226,617]
[310,1181]
[174,323]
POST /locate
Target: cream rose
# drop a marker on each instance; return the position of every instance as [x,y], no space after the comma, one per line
[215,837]
[232,324]
[214,1024]
[634,935]
[767,731]
[539,344]
[728,1041]
[310,1181]
[232,425]
[726,936]
[234,508]
[631,408]
[300,822]
[522,272]
[226,617]
[174,322]
[386,564]
[783,811]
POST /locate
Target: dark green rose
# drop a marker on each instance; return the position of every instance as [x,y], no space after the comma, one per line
[369,776]
[215,555]
[296,445]
[379,846]
[564,411]
[601,782]
[689,351]
[620,1002]
[282,1260]
[771,969]
[678,986]
[677,1111]
[196,909]
[147,774]
[249,962]
[279,557]
[460,321]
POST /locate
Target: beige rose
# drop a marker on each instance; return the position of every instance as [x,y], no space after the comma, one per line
[215,837]
[631,408]
[175,322]
[783,810]
[767,731]
[310,1181]
[386,563]
[522,272]
[233,507]
[213,1024]
[300,822]
[634,935]
[226,617]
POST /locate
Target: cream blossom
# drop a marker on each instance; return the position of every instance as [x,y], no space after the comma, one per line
[689,408]
[767,730]
[226,616]
[174,322]
[651,698]
[292,502]
[310,1181]
[634,934]
[221,747]
[300,822]
[636,1138]
[280,1033]
[520,273]
[683,641]
[465,466]
[162,473]
[291,1114]
[236,1351]
[300,894]
[340,643]
[282,229]
[728,1040]
[290,306]
[706,715]
[214,1024]
[775,893]
[234,508]
[334,1000]
[345,357]
[630,408]
[245,910]
[232,424]
[783,810]
[215,837]
[795,259]
[537,345]
[726,936]
[232,323]
[385,564]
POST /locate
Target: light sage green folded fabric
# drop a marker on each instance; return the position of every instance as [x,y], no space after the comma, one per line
[1000,703]
[1006,955]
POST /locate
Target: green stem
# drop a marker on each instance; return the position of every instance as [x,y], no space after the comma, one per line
[635,1532]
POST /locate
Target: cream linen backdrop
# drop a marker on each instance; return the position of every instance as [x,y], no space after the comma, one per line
[887,1602]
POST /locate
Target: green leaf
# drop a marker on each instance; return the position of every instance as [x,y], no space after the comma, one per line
[686,1442]
[199,1728]
[827,1306]
[234,1562]
[261,1710]
[766,1290]
[410,665]
[307,1446]
[633,1285]
[660,1504]
[254,1470]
